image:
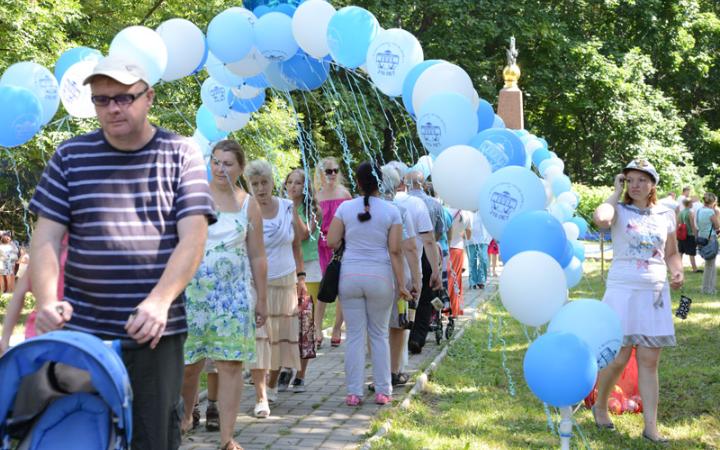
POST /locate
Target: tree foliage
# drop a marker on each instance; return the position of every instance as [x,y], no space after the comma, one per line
[604,81]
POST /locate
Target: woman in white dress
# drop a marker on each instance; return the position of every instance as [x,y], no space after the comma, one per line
[644,249]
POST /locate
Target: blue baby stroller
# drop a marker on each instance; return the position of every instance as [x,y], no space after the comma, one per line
[64,390]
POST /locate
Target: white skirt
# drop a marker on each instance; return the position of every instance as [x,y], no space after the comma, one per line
[645,315]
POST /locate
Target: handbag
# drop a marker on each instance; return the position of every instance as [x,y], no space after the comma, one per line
[328,291]
[709,249]
[682,232]
[306,314]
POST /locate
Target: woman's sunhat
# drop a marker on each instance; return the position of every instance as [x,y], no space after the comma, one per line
[642,165]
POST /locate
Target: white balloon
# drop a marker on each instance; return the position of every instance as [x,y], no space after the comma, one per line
[216,97]
[186,46]
[309,27]
[572,231]
[533,287]
[221,72]
[233,121]
[458,174]
[570,198]
[74,95]
[443,77]
[143,45]
[251,65]
[552,172]
[390,57]
[548,193]
[246,91]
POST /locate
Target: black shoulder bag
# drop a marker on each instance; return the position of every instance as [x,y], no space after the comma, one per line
[330,281]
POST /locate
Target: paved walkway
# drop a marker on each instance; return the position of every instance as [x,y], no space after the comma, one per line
[319,418]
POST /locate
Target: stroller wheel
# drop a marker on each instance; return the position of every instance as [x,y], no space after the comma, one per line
[450,329]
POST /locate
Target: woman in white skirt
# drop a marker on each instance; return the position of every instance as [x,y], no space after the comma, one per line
[644,249]
[282,235]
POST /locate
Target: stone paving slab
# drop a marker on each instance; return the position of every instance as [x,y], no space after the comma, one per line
[319,418]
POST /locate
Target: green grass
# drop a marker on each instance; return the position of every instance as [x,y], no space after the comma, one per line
[27,309]
[468,403]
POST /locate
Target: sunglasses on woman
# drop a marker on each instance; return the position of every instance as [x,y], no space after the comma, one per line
[331,171]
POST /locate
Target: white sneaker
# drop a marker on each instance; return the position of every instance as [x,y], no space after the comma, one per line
[262,410]
[272,394]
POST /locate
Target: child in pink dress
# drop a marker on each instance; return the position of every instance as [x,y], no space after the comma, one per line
[16,303]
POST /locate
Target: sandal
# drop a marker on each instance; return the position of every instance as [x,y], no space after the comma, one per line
[335,342]
[262,410]
[231,445]
[658,440]
[606,426]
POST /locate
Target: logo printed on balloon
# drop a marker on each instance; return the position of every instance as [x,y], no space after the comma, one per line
[386,60]
[505,201]
[430,133]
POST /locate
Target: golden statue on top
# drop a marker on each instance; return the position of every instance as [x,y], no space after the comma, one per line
[511,72]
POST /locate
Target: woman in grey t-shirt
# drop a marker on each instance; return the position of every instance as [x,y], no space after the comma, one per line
[371,275]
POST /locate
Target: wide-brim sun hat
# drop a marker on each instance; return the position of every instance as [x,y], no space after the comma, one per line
[642,165]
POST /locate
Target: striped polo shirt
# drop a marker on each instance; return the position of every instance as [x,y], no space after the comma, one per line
[121,209]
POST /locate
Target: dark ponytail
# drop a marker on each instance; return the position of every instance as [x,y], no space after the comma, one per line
[367,175]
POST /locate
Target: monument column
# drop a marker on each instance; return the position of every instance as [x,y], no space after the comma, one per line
[510,100]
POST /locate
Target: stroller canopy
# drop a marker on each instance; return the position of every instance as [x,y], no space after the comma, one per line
[80,350]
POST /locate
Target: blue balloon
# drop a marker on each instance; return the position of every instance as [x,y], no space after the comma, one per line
[205,122]
[72,56]
[203,61]
[410,80]
[507,150]
[306,72]
[560,369]
[567,254]
[573,273]
[581,224]
[534,230]
[248,105]
[506,193]
[595,323]
[578,250]
[230,34]
[258,81]
[486,115]
[498,122]
[274,38]
[252,4]
[539,156]
[560,184]
[261,10]
[39,80]
[446,119]
[286,9]
[349,34]
[20,115]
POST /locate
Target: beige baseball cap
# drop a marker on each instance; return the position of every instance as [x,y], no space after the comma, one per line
[123,70]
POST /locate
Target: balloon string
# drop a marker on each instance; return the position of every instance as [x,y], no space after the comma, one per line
[360,115]
[342,102]
[409,143]
[506,369]
[347,157]
[19,192]
[490,332]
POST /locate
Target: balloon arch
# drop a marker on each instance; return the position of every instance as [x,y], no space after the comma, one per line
[475,162]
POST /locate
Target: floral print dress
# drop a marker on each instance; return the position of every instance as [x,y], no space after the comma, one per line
[220,298]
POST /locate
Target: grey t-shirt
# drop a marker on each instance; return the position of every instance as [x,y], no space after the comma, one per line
[367,242]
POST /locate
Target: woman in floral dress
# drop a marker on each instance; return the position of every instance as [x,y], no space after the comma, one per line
[222,310]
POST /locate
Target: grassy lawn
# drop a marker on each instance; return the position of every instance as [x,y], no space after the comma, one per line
[470,402]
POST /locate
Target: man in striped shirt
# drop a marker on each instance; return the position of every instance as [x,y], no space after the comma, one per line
[136,203]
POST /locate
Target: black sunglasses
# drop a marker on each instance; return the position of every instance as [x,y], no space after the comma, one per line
[120,99]
[331,171]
